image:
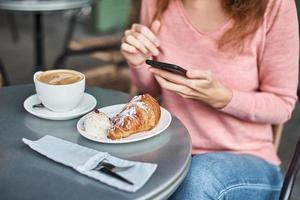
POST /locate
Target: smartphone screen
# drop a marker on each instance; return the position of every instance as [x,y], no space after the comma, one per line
[167,67]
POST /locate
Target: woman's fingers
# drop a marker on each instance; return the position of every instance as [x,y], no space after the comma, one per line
[155,26]
[128,48]
[171,76]
[146,32]
[200,79]
[185,96]
[147,43]
[168,85]
[200,84]
[131,40]
[140,41]
[195,84]
[199,74]
[127,32]
[174,87]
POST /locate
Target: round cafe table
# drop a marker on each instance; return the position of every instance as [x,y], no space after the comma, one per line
[25,174]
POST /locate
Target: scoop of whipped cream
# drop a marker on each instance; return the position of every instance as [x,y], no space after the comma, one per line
[96,124]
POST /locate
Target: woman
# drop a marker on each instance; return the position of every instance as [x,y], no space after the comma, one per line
[242,62]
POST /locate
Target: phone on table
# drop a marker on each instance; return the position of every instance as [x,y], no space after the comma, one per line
[167,66]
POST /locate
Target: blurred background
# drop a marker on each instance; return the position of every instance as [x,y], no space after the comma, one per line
[89,36]
[85,38]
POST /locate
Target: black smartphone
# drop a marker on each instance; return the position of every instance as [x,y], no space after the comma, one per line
[167,66]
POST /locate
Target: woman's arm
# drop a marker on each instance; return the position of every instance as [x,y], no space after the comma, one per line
[139,73]
[278,73]
[278,76]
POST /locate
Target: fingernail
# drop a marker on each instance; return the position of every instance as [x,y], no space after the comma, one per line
[156,52]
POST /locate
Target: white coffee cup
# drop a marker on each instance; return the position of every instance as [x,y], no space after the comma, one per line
[60,98]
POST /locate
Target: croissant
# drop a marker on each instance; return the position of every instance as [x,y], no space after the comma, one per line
[142,113]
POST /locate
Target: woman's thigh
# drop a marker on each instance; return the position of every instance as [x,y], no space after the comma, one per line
[225,176]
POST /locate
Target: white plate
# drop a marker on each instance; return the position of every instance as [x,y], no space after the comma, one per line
[110,111]
[87,104]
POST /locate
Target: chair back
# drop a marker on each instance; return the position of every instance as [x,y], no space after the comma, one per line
[292,170]
[291,174]
[277,134]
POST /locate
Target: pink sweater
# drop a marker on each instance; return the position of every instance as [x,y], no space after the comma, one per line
[263,79]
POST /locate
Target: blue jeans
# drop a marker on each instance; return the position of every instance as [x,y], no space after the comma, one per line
[226,176]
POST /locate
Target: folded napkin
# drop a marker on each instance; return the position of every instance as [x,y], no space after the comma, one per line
[84,159]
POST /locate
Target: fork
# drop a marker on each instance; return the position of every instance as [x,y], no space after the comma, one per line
[110,166]
[107,168]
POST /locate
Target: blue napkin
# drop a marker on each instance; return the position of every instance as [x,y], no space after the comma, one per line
[84,159]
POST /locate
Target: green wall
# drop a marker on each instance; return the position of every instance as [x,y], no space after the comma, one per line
[111,15]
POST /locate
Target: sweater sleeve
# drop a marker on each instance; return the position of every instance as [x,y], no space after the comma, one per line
[278,72]
[140,75]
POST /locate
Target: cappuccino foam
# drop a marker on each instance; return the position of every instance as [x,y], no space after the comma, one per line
[59,78]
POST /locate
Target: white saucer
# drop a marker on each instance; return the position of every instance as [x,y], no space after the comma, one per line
[87,104]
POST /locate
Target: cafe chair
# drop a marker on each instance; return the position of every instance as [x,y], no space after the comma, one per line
[294,164]
[95,47]
[85,47]
[113,72]
[277,130]
[106,49]
[291,175]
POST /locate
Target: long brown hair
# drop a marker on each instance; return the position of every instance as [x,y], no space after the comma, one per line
[247,16]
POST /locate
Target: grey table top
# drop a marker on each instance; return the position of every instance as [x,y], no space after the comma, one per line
[25,174]
[42,5]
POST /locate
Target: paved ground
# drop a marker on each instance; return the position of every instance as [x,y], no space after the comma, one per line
[18,59]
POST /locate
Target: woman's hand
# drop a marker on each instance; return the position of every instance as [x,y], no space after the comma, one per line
[140,43]
[198,85]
